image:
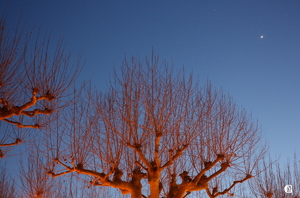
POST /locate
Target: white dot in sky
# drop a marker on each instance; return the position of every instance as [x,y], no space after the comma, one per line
[261,36]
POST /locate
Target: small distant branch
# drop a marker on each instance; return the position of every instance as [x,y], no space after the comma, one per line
[69,169]
[59,174]
[174,157]
[95,182]
[137,149]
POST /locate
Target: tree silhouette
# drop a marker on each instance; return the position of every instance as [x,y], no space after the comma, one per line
[156,133]
[32,80]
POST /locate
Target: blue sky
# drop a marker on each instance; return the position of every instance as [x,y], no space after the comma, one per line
[216,40]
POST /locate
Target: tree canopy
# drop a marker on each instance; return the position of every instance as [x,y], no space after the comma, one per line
[156,133]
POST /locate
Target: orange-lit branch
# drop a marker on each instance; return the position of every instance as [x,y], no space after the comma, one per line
[223,168]
[7,111]
[12,144]
[37,111]
[199,182]
[137,149]
[226,191]
[156,150]
[18,124]
[140,165]
[202,183]
[208,166]
[103,179]
[59,174]
[174,157]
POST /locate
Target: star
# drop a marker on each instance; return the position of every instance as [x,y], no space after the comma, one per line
[261,36]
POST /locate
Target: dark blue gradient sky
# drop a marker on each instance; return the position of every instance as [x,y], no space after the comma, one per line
[216,40]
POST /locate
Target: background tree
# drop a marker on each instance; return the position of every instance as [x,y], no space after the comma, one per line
[156,133]
[32,81]
[272,179]
[35,183]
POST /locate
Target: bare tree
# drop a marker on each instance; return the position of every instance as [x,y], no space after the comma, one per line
[272,179]
[156,133]
[35,182]
[33,80]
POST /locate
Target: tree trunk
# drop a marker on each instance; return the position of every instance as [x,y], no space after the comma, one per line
[154,190]
[154,177]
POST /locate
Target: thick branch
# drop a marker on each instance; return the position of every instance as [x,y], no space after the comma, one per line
[125,187]
[199,182]
[37,111]
[202,183]
[48,96]
[18,141]
[156,150]
[6,111]
[223,168]
[18,124]
[207,166]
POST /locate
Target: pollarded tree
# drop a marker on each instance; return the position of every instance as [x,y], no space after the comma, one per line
[32,80]
[155,133]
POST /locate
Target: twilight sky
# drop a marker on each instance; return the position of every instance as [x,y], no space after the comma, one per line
[216,40]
